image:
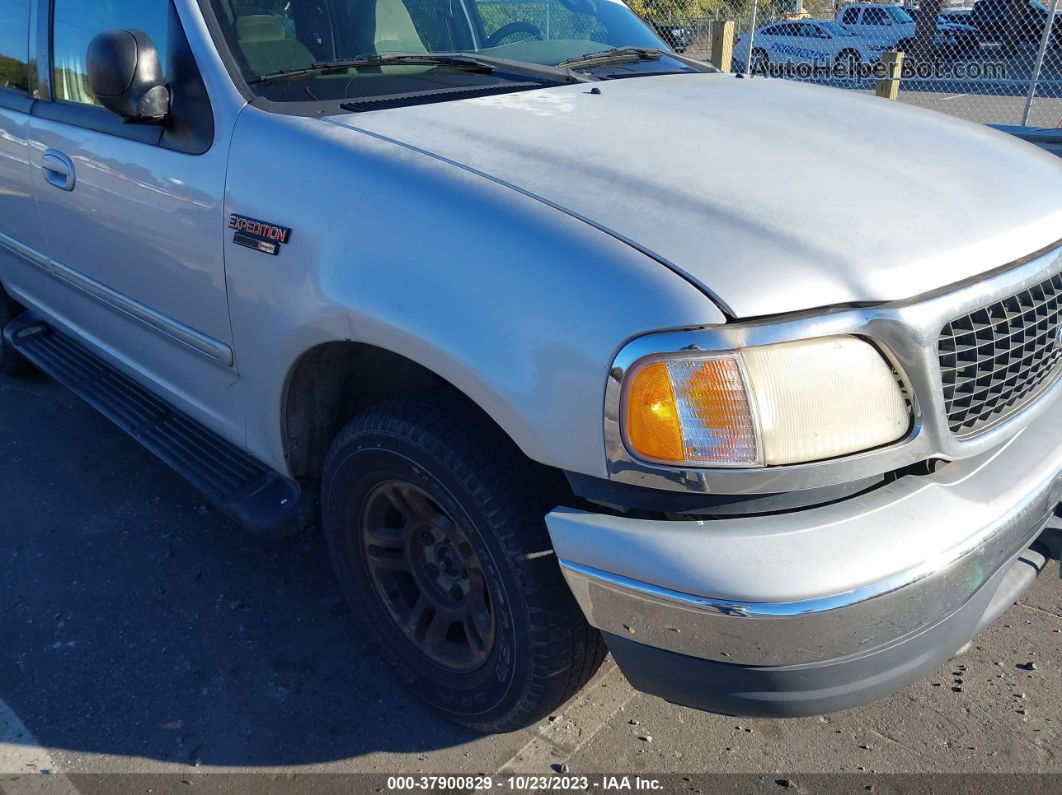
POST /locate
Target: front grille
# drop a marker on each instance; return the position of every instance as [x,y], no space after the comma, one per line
[997,359]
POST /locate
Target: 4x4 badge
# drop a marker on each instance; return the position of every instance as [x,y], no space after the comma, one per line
[259,235]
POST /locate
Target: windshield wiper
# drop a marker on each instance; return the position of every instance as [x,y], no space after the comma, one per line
[614,55]
[629,54]
[532,69]
[460,61]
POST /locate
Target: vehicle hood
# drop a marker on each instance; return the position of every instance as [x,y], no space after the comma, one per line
[770,195]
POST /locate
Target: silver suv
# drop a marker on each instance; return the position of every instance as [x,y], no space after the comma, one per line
[575,341]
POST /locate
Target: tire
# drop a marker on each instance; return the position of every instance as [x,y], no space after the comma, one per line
[11,364]
[412,485]
[848,61]
[760,60]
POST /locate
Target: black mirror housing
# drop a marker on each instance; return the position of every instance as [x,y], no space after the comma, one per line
[125,74]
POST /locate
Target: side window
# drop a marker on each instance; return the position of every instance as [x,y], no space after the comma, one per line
[14,44]
[874,16]
[75,24]
[851,16]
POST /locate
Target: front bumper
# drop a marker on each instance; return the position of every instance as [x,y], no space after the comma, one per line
[820,609]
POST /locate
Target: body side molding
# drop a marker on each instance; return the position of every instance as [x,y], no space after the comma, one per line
[206,346]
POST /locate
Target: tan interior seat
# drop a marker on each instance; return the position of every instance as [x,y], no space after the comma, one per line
[263,42]
[265,46]
[395,31]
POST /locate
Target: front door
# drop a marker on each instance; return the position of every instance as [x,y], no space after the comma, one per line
[134,217]
[21,234]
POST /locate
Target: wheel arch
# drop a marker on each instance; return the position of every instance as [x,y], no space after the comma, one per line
[331,382]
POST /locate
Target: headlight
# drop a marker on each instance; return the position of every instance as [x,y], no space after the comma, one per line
[767,405]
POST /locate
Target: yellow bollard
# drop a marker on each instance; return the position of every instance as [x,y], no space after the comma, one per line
[722,44]
[889,87]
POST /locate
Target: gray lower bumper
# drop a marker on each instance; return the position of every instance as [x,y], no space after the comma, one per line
[822,585]
[795,690]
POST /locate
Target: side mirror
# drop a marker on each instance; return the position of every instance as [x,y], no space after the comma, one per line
[125,74]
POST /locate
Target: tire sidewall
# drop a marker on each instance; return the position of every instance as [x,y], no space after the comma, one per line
[849,61]
[368,459]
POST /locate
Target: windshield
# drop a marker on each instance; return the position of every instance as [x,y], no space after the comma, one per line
[268,38]
[898,15]
[834,28]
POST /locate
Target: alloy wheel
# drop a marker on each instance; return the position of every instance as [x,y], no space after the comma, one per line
[427,575]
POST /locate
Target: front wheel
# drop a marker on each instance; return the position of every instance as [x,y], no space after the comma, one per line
[848,63]
[759,61]
[435,528]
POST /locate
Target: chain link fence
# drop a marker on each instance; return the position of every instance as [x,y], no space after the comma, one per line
[989,61]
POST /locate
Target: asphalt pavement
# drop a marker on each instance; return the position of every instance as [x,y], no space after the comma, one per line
[143,632]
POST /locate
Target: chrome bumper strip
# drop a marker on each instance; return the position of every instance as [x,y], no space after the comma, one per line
[820,584]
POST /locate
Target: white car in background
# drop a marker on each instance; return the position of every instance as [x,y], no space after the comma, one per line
[893,28]
[818,42]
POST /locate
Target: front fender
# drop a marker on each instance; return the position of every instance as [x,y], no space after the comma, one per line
[517,304]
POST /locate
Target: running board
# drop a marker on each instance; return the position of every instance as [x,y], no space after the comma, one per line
[254,495]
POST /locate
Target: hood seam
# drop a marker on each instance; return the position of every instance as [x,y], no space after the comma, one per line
[719,302]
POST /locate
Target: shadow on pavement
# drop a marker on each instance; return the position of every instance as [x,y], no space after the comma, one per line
[136,621]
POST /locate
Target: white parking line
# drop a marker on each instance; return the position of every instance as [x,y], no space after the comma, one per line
[576,724]
[22,755]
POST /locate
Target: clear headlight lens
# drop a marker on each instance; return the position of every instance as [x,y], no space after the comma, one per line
[769,405]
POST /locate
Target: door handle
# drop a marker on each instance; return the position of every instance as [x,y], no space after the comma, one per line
[58,170]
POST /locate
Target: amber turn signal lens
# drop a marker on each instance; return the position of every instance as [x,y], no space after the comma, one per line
[691,410]
[653,426]
[786,403]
